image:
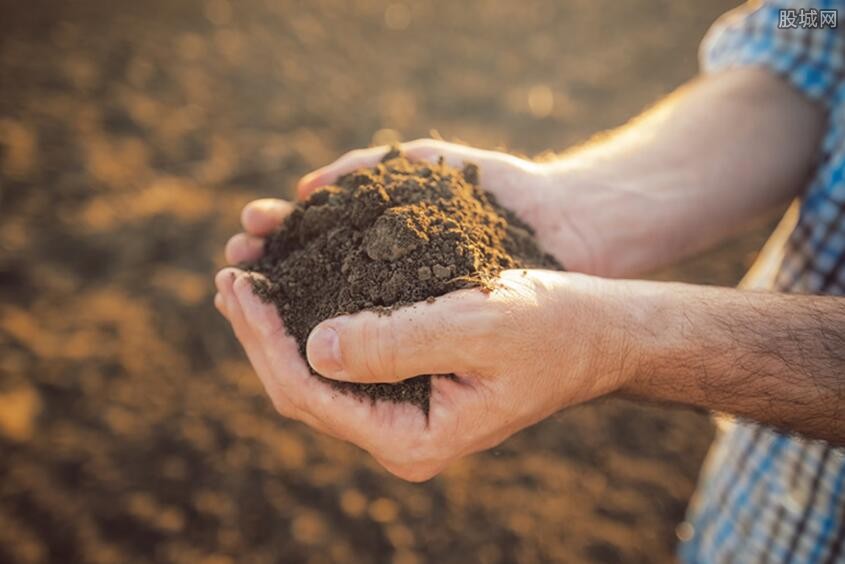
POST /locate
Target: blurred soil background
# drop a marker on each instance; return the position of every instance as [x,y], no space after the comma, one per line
[131,133]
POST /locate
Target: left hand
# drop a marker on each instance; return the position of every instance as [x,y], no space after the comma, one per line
[541,340]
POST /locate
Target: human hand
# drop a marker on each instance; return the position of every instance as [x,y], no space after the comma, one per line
[540,341]
[536,192]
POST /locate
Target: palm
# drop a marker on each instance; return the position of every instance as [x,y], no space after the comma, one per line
[407,441]
[521,185]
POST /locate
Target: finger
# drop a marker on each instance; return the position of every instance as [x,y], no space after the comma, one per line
[420,149]
[261,217]
[374,426]
[228,280]
[425,338]
[262,317]
[278,363]
[223,281]
[347,163]
[465,402]
[219,304]
[244,248]
[248,334]
[456,155]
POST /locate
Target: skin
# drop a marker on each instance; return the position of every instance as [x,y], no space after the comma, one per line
[713,156]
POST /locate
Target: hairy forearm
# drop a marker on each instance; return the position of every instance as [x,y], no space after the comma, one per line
[708,159]
[777,359]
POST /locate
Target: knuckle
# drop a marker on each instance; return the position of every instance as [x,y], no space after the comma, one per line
[242,284]
[378,345]
[475,324]
[386,345]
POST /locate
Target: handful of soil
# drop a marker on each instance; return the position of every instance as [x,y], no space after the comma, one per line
[388,236]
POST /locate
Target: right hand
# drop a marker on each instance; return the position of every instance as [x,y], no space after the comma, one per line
[530,189]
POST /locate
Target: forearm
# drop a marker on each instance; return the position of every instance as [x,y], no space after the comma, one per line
[708,159]
[774,358]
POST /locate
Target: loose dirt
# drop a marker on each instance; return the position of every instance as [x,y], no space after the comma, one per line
[389,236]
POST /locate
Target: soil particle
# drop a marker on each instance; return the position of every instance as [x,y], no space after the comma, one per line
[385,237]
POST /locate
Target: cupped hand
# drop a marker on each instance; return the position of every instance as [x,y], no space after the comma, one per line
[526,187]
[521,352]
[531,189]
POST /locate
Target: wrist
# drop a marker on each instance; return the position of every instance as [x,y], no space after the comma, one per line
[599,326]
[626,218]
[581,220]
[659,320]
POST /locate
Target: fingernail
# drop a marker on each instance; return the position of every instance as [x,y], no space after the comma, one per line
[323,351]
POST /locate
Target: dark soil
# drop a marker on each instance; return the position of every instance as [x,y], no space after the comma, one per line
[398,233]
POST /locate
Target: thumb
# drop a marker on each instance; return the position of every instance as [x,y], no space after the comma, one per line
[424,338]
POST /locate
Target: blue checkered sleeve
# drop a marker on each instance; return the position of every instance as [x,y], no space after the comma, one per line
[808,52]
[766,496]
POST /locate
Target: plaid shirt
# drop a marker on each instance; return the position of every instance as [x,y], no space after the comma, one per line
[765,496]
